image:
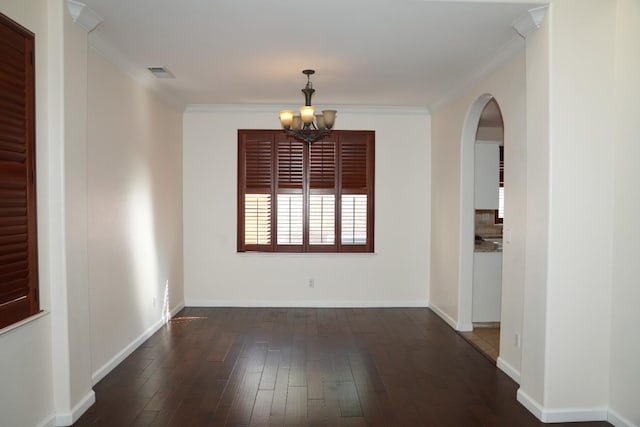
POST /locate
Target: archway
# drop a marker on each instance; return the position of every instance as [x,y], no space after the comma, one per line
[467,211]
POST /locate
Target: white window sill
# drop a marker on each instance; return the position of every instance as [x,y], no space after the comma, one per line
[23,322]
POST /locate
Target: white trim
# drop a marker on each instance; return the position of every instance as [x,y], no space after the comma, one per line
[467,209]
[50,421]
[505,367]
[68,418]
[562,415]
[529,403]
[23,322]
[502,56]
[84,16]
[530,21]
[444,316]
[464,327]
[194,302]
[569,415]
[101,372]
[618,420]
[274,108]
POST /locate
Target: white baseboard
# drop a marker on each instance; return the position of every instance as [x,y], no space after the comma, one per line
[564,415]
[194,302]
[618,420]
[68,418]
[464,327]
[50,421]
[505,367]
[101,372]
[444,316]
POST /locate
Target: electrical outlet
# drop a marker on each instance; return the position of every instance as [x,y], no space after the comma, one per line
[312,283]
[518,341]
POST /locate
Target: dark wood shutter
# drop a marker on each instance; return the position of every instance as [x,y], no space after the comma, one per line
[259,165]
[289,202]
[322,218]
[18,248]
[290,164]
[314,197]
[499,213]
[322,165]
[356,192]
[255,191]
[353,152]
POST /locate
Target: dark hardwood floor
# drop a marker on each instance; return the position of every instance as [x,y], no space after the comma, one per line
[299,367]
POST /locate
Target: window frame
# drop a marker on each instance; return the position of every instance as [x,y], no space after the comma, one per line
[337,137]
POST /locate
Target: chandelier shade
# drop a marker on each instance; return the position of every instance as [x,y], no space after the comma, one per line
[307,126]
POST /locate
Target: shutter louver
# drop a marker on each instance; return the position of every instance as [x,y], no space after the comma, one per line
[322,165]
[14,245]
[290,209]
[258,162]
[322,219]
[354,219]
[353,153]
[257,219]
[290,164]
[18,259]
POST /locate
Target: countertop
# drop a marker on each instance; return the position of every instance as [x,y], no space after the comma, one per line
[488,245]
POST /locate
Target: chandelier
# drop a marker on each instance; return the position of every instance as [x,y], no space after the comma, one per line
[307,126]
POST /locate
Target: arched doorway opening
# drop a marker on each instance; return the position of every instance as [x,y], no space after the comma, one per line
[480,269]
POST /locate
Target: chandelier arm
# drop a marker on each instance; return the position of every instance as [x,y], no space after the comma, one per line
[307,135]
[310,130]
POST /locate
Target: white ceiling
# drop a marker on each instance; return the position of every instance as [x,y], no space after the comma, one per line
[365,52]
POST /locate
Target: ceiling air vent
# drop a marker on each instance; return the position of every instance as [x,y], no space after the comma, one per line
[161,72]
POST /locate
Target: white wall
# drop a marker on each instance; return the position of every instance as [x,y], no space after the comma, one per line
[581,347]
[71,308]
[537,216]
[396,275]
[625,316]
[25,352]
[507,85]
[581,170]
[134,164]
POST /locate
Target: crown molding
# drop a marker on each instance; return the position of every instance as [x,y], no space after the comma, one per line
[502,56]
[530,21]
[274,108]
[83,15]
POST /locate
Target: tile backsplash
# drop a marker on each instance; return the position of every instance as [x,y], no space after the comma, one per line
[485,225]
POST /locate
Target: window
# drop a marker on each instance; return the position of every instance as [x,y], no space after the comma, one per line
[499,215]
[296,197]
[18,253]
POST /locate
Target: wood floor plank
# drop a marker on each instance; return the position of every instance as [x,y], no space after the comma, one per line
[262,409]
[296,410]
[280,396]
[307,367]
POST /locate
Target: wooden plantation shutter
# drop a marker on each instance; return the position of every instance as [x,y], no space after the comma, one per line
[18,249]
[322,195]
[356,192]
[299,197]
[290,192]
[255,181]
[499,213]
